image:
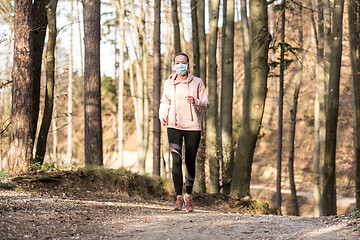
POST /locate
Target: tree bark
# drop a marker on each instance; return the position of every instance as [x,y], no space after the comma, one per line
[156,90]
[354,32]
[50,79]
[21,141]
[294,210]
[329,183]
[175,21]
[227,89]
[261,38]
[280,110]
[195,39]
[92,84]
[212,114]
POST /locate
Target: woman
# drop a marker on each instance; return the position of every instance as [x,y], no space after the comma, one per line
[183,100]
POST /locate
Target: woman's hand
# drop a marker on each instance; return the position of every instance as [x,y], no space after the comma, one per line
[190,99]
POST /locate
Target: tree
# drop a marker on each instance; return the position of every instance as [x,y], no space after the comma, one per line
[354,31]
[195,39]
[92,84]
[21,137]
[40,23]
[156,90]
[257,89]
[199,183]
[212,116]
[50,80]
[319,108]
[175,21]
[329,182]
[227,89]
[294,210]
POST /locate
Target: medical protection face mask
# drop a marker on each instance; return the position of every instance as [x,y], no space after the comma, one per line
[181,68]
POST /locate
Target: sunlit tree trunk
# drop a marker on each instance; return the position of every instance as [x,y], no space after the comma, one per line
[50,80]
[199,184]
[175,20]
[354,32]
[329,182]
[181,25]
[92,84]
[227,83]
[212,114]
[156,89]
[69,118]
[81,40]
[294,209]
[261,38]
[195,39]
[21,141]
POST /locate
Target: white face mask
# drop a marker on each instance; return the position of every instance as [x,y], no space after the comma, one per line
[181,68]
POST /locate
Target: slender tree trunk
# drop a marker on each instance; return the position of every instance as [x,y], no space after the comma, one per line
[92,84]
[81,41]
[175,21]
[261,38]
[280,112]
[40,23]
[354,32]
[227,83]
[156,90]
[329,183]
[69,118]
[247,58]
[181,26]
[294,210]
[121,84]
[212,116]
[21,141]
[199,184]
[195,39]
[50,79]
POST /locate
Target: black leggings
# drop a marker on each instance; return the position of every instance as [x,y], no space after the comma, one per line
[192,140]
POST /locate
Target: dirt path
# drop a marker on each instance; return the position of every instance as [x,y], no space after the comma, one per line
[25,216]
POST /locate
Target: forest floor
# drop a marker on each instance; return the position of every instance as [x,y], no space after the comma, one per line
[84,205]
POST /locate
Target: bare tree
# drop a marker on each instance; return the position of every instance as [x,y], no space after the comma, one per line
[175,21]
[329,182]
[212,115]
[92,84]
[50,80]
[21,137]
[227,89]
[354,32]
[257,88]
[156,89]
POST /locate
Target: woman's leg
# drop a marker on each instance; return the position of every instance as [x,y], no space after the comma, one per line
[192,140]
[175,143]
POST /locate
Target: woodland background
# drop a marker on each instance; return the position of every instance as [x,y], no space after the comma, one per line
[128,29]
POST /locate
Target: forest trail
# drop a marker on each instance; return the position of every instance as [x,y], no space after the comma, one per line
[28,216]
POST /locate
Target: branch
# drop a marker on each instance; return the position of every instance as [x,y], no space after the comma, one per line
[2,85]
[271,1]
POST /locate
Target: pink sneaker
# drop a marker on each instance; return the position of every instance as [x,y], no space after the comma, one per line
[179,203]
[189,205]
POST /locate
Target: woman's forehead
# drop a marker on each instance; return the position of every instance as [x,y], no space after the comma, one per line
[180,58]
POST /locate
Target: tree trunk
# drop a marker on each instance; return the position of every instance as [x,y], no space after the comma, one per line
[50,79]
[294,210]
[212,116]
[92,84]
[181,26]
[199,184]
[121,84]
[156,89]
[261,38]
[195,39]
[69,117]
[247,58]
[280,110]
[329,183]
[175,21]
[354,32]
[40,23]
[81,41]
[21,141]
[227,89]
